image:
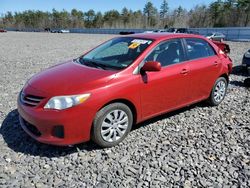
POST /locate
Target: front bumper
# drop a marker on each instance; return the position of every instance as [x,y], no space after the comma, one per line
[65,127]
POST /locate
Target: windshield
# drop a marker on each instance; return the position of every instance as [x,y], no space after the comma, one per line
[115,54]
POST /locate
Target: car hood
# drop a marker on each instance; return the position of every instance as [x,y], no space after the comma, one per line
[70,78]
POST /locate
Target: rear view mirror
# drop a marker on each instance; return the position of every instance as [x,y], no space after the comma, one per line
[151,66]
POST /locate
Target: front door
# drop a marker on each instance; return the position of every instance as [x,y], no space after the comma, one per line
[167,89]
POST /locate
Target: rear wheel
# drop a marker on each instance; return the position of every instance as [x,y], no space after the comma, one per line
[112,124]
[218,92]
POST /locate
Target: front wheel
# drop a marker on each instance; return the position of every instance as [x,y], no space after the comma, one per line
[218,92]
[112,124]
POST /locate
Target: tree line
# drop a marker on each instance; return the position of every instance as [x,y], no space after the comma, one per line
[227,13]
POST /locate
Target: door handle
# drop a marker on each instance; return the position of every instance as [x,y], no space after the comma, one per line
[184,71]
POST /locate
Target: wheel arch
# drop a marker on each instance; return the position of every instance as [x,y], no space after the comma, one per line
[126,102]
[225,76]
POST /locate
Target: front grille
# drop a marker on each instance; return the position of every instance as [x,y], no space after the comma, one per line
[32,128]
[30,100]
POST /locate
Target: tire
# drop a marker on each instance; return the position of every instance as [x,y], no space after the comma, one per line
[243,69]
[218,92]
[111,125]
[247,82]
[248,70]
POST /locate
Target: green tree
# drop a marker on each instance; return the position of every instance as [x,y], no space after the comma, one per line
[111,18]
[150,12]
[89,18]
[164,13]
[125,16]
[164,9]
[180,17]
[55,18]
[77,19]
[218,14]
[98,21]
[198,16]
[215,13]
[245,6]
[8,19]
[137,20]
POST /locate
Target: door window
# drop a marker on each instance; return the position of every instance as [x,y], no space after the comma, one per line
[199,48]
[167,53]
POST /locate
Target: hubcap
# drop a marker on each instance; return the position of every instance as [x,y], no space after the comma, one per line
[114,125]
[219,92]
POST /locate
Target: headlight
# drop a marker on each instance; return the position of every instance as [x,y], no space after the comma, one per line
[64,102]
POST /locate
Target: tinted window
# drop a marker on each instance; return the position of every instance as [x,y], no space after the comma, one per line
[199,48]
[167,53]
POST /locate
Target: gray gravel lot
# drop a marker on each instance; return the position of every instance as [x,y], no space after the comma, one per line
[198,146]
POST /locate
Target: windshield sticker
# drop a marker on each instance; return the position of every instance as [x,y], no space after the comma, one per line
[140,41]
[134,45]
[137,42]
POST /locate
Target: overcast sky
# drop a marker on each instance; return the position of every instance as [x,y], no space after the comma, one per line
[84,5]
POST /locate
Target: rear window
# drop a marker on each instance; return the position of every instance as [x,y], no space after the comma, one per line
[199,48]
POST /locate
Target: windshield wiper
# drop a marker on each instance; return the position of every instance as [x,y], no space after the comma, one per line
[96,65]
[91,63]
[99,64]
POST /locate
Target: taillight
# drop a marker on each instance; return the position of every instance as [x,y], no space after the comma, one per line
[221,52]
[224,55]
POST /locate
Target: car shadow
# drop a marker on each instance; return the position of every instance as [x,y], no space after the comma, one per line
[19,141]
[169,114]
[238,70]
[237,83]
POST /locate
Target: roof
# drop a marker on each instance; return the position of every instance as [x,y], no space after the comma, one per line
[162,36]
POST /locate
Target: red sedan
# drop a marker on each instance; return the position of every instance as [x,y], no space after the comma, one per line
[3,31]
[122,82]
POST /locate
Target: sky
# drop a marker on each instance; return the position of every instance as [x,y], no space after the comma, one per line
[84,5]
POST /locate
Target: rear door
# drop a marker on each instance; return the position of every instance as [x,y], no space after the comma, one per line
[204,66]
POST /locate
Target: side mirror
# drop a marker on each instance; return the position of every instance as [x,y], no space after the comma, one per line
[151,66]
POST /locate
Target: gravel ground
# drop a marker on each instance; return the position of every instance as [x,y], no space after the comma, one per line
[198,146]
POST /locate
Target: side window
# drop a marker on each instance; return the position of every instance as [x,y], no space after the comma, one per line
[199,48]
[167,53]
